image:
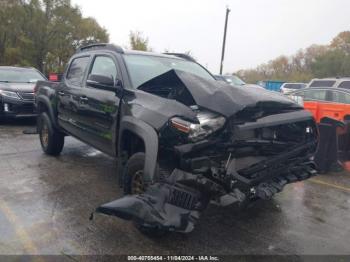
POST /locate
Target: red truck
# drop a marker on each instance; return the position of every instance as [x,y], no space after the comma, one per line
[330,107]
[326,102]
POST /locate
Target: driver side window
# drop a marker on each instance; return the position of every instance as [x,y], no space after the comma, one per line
[104,66]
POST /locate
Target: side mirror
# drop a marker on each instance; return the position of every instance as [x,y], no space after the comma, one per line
[104,83]
[101,82]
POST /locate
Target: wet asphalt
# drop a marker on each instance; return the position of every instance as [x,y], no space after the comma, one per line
[45,204]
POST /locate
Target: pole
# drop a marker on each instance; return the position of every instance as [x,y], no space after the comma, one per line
[224,42]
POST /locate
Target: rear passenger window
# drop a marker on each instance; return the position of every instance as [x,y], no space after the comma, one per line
[340,97]
[76,71]
[345,84]
[318,95]
[294,86]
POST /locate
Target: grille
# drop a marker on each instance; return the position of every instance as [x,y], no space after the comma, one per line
[26,109]
[182,199]
[22,109]
[27,96]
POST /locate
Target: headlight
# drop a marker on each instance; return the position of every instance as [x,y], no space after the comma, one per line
[208,124]
[9,94]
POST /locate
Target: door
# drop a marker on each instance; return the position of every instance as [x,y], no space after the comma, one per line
[70,93]
[315,100]
[100,107]
[341,105]
[326,107]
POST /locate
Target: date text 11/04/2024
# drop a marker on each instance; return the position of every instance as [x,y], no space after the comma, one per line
[173,258]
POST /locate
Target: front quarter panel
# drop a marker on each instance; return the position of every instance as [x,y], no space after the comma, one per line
[154,110]
[150,139]
[144,114]
[46,96]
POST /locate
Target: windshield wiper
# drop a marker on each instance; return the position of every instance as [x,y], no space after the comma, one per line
[4,81]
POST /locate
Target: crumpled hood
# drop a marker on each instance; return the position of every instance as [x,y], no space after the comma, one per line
[229,100]
[18,87]
[218,97]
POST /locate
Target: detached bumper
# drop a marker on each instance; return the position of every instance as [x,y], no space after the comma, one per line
[11,108]
[166,206]
[177,203]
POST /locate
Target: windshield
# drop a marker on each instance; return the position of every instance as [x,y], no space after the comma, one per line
[322,83]
[234,80]
[143,68]
[15,75]
[345,84]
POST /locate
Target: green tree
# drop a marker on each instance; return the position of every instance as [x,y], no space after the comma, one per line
[44,33]
[334,63]
[342,42]
[315,61]
[138,41]
[11,35]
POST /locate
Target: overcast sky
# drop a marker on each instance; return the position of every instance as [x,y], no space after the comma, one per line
[258,30]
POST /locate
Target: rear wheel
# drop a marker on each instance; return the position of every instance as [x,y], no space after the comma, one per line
[134,185]
[52,141]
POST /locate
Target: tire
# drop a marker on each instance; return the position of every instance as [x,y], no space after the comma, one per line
[134,167]
[51,140]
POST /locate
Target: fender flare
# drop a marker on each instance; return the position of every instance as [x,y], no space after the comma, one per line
[45,100]
[150,139]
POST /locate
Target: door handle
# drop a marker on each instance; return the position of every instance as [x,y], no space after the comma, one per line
[60,93]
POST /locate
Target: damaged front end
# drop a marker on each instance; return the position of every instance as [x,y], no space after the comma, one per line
[222,157]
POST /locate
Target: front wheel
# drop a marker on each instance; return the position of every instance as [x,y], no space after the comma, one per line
[133,175]
[134,185]
[52,141]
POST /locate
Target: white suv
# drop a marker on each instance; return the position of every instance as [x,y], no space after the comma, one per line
[288,88]
[330,82]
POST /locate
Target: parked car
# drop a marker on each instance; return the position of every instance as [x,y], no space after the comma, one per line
[326,102]
[330,82]
[182,139]
[17,91]
[234,80]
[288,88]
[230,79]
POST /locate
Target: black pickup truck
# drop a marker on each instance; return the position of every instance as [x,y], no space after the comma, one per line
[181,138]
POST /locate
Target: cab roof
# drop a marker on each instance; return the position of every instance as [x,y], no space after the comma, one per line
[120,50]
